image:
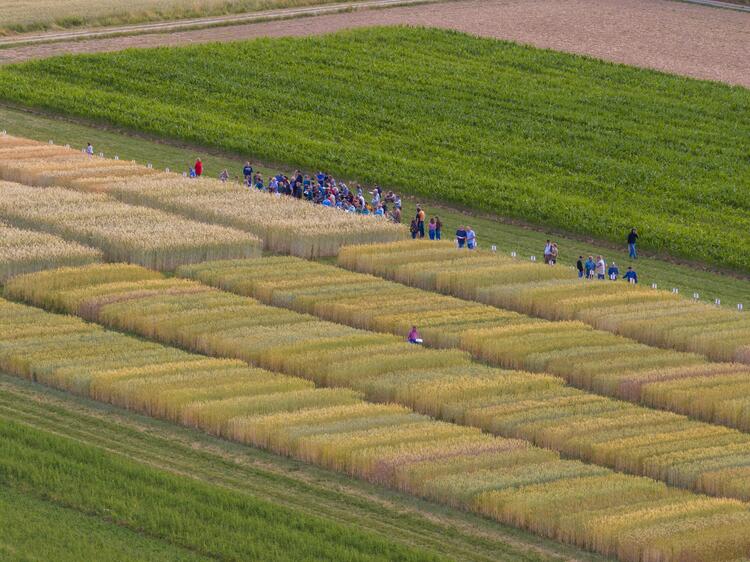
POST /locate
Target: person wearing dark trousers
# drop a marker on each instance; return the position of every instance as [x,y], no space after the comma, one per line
[632,239]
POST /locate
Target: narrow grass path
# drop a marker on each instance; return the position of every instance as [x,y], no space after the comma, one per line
[285,482]
[491,230]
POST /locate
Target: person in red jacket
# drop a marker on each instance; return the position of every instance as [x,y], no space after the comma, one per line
[198,167]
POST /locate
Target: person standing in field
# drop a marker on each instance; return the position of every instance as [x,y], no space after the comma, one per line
[198,167]
[420,221]
[414,228]
[613,272]
[247,171]
[553,253]
[224,176]
[438,228]
[396,215]
[590,266]
[547,251]
[471,238]
[89,149]
[460,237]
[601,267]
[632,239]
[432,227]
[630,275]
[579,267]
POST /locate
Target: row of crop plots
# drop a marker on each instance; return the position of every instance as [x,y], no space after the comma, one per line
[654,317]
[510,480]
[308,360]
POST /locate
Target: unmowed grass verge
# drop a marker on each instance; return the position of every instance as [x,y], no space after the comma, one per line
[566,141]
[190,456]
[20,17]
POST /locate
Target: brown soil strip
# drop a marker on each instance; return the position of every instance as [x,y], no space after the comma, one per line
[675,37]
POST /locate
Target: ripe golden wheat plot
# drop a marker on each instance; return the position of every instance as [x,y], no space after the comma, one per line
[285,224]
[442,383]
[123,232]
[508,480]
[653,317]
[23,251]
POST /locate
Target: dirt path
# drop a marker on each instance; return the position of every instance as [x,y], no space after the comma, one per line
[672,36]
[666,35]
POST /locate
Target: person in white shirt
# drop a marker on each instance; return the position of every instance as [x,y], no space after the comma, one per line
[601,267]
[90,150]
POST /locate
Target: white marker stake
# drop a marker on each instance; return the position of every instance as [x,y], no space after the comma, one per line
[149,166]
[533,258]
[166,170]
[696,296]
[718,302]
[494,248]
[513,254]
[740,307]
[117,157]
[653,285]
[51,142]
[675,290]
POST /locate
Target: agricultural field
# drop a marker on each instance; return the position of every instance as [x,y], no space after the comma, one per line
[20,16]
[283,225]
[504,479]
[194,370]
[299,487]
[442,384]
[652,316]
[589,147]
[507,237]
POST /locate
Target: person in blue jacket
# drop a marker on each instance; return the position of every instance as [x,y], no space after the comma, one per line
[590,266]
[630,276]
[613,272]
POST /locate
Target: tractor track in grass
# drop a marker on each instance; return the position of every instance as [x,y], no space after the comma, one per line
[676,37]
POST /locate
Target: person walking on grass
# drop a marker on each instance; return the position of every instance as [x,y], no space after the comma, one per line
[438,228]
[547,251]
[613,272]
[590,265]
[247,171]
[420,221]
[89,149]
[553,253]
[601,267]
[198,167]
[632,239]
[414,228]
[471,238]
[431,228]
[461,237]
[630,275]
[579,267]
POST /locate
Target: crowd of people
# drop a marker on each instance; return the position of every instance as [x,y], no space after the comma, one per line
[597,268]
[323,189]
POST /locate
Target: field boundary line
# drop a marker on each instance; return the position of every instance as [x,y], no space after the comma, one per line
[210,21]
[718,4]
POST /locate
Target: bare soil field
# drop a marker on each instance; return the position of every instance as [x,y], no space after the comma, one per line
[671,36]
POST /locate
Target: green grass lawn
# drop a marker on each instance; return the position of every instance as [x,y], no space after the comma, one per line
[490,230]
[555,139]
[92,465]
